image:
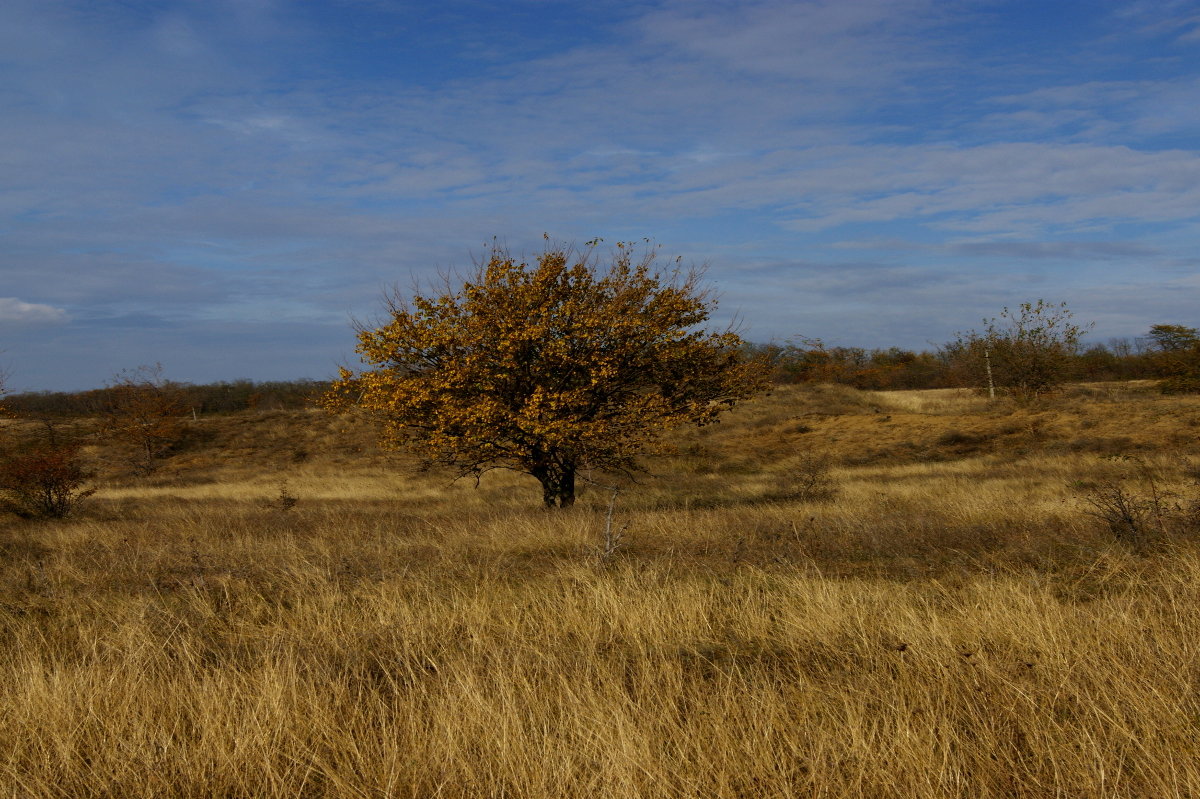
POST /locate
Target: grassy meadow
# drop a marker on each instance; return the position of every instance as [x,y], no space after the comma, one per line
[832,593]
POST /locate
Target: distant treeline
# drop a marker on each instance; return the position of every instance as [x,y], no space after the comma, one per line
[810,360]
[224,397]
[801,361]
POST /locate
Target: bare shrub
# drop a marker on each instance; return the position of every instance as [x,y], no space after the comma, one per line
[1129,515]
[808,479]
[45,481]
[1135,506]
[285,500]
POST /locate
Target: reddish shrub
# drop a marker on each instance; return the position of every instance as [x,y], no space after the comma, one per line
[46,481]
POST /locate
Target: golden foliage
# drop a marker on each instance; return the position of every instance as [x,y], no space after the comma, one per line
[549,367]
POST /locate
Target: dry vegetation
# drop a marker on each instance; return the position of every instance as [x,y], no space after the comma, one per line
[281,610]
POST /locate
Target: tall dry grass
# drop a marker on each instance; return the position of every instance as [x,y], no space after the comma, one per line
[950,624]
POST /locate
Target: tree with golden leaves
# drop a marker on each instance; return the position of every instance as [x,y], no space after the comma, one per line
[549,367]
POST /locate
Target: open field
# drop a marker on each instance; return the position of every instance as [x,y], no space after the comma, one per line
[952,621]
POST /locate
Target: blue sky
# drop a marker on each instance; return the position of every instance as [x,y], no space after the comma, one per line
[222,186]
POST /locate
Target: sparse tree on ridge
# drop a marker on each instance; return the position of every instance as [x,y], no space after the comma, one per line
[1177,356]
[1174,338]
[143,412]
[1027,351]
[549,367]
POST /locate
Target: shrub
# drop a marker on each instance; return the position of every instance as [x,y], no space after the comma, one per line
[1180,384]
[45,481]
[1130,514]
[808,479]
[1135,506]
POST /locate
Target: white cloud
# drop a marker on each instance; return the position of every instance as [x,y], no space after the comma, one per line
[14,310]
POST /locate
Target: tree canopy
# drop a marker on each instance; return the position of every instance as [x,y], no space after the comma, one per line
[549,367]
[1174,338]
[1025,352]
[1177,350]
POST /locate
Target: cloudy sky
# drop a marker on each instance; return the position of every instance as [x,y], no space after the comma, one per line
[222,185]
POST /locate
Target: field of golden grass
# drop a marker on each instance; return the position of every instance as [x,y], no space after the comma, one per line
[952,622]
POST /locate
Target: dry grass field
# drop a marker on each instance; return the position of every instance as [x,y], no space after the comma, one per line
[282,610]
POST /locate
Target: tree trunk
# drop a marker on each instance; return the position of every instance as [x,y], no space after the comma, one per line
[558,484]
[549,495]
[566,487]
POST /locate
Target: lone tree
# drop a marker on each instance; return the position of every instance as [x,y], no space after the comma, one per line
[546,368]
[1025,352]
